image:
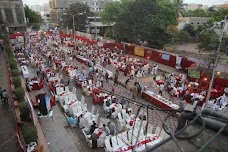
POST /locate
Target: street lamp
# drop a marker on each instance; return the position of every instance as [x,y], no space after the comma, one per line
[216,62]
[74,25]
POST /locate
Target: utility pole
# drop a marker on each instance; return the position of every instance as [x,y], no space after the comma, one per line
[216,63]
[74,33]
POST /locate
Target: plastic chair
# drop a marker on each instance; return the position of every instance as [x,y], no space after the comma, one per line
[92,109]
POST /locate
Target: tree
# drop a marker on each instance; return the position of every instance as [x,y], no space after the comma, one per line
[184,36]
[113,13]
[32,16]
[190,30]
[199,13]
[219,16]
[178,7]
[142,20]
[80,11]
[208,40]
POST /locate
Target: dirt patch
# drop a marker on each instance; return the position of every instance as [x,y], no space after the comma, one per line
[192,50]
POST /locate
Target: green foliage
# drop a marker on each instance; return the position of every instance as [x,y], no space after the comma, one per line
[190,29]
[19,93]
[201,28]
[184,36]
[9,49]
[140,20]
[29,132]
[14,72]
[25,111]
[208,40]
[17,81]
[13,64]
[10,54]
[197,13]
[113,10]
[35,27]
[219,16]
[178,8]
[80,11]
[32,16]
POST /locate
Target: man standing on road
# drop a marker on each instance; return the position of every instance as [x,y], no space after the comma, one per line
[1,91]
[4,97]
[106,77]
[116,80]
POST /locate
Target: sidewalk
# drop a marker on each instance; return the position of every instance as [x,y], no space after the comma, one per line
[8,138]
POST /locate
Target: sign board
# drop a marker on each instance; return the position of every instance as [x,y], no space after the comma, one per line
[20,39]
[193,73]
[48,103]
[139,51]
[165,56]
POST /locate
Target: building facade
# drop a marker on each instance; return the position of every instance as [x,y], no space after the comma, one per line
[96,6]
[36,8]
[225,5]
[12,15]
[198,21]
[192,7]
[58,6]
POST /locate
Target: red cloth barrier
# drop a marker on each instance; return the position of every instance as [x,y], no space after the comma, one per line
[92,42]
[185,63]
[155,101]
[151,54]
[14,36]
[64,35]
[221,82]
[113,45]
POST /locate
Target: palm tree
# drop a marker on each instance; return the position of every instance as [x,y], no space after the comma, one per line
[179,9]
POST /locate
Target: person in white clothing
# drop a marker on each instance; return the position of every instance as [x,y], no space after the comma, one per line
[161,88]
[156,70]
[132,74]
[173,93]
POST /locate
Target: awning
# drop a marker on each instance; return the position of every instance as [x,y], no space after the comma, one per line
[99,24]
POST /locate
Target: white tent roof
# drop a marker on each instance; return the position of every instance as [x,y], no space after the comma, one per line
[100,24]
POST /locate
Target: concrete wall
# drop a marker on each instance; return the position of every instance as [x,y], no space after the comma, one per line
[197,21]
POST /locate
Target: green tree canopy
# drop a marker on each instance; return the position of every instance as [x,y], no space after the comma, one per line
[111,12]
[190,29]
[197,13]
[141,20]
[183,36]
[178,7]
[208,40]
[32,16]
[218,16]
[80,11]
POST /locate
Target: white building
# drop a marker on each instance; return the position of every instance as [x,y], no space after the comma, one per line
[36,8]
[192,7]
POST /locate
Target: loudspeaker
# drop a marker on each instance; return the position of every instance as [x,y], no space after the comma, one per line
[42,104]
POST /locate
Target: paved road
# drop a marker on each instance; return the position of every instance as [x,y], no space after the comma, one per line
[8,139]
